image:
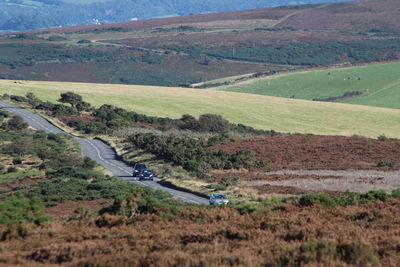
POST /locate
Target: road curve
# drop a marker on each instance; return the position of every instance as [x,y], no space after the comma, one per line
[100,152]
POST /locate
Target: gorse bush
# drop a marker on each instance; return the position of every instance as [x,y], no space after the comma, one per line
[38,143]
[18,209]
[193,155]
[16,123]
[72,184]
[141,200]
[326,200]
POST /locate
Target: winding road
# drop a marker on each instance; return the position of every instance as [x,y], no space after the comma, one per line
[100,152]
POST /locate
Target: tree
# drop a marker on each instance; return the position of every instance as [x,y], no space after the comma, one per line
[70,98]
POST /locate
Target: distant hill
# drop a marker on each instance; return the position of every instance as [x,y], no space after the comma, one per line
[21,15]
[183,50]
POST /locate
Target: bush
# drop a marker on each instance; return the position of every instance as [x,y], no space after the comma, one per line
[357,254]
[17,161]
[381,164]
[396,193]
[12,169]
[84,41]
[375,195]
[17,123]
[88,163]
[19,208]
[76,172]
[319,198]
[55,38]
[213,123]
[191,154]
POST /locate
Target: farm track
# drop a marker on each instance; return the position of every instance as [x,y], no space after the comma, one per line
[360,181]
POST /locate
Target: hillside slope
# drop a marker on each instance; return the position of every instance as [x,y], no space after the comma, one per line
[263,112]
[373,85]
[180,51]
[17,15]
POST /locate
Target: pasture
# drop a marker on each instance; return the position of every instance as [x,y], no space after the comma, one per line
[378,83]
[263,112]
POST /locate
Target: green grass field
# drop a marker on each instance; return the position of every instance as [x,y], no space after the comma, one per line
[263,112]
[380,84]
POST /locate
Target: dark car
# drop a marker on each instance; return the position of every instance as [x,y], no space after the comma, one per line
[137,168]
[146,174]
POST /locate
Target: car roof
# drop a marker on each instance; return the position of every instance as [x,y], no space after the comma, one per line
[140,165]
[218,194]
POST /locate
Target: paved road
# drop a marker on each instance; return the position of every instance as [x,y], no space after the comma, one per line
[100,152]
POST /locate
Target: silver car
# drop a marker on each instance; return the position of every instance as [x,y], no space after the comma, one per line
[218,199]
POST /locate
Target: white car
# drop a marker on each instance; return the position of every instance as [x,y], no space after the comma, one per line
[218,199]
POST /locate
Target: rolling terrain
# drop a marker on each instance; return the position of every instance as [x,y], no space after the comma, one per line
[180,51]
[263,112]
[17,15]
[372,85]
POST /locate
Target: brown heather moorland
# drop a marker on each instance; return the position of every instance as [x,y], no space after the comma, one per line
[318,152]
[284,234]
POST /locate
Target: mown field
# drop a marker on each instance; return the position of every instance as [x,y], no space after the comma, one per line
[378,84]
[263,112]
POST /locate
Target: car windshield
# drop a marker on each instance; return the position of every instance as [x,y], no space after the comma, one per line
[146,171]
[220,196]
[140,166]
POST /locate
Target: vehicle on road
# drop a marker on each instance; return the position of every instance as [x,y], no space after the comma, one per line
[218,199]
[137,169]
[146,174]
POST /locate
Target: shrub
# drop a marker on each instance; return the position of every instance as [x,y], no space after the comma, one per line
[17,161]
[193,155]
[88,163]
[319,198]
[247,208]
[17,123]
[76,172]
[84,41]
[213,123]
[375,195]
[396,193]
[381,164]
[357,253]
[19,208]
[54,38]
[12,169]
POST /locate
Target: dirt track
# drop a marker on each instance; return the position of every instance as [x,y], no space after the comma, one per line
[327,180]
[301,164]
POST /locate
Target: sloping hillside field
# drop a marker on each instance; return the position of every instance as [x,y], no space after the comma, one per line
[373,85]
[263,112]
